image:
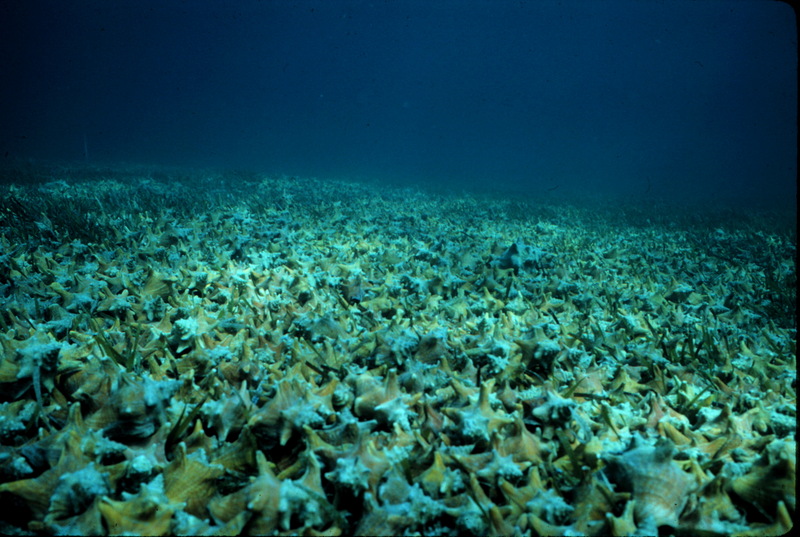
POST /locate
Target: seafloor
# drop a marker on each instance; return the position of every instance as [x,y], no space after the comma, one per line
[226,352]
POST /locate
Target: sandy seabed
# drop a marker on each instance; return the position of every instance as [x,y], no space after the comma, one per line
[190,352]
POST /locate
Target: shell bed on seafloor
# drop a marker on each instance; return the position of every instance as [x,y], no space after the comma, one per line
[228,353]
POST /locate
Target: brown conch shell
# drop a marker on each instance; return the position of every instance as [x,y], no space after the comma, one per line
[659,487]
[772,479]
[191,480]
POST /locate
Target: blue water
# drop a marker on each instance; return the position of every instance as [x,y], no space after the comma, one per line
[674,100]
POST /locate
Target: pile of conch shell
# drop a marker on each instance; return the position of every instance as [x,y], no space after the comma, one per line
[234,354]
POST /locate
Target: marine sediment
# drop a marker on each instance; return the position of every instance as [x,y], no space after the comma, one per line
[231,353]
